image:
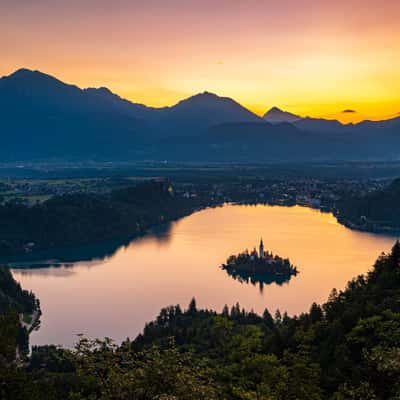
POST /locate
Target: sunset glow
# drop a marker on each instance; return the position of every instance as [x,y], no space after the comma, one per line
[313,58]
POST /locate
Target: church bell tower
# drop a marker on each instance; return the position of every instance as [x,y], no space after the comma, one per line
[261,252]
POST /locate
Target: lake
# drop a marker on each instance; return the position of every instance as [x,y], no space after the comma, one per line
[116,294]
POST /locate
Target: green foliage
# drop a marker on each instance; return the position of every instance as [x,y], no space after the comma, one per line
[107,372]
[347,349]
[9,332]
[12,296]
[13,302]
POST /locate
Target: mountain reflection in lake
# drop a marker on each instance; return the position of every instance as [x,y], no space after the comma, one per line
[125,286]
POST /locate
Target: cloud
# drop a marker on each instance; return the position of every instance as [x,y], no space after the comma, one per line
[348,111]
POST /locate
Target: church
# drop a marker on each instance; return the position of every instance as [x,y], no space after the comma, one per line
[261,252]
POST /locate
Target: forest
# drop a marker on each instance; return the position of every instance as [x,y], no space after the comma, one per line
[84,218]
[347,348]
[377,211]
[14,301]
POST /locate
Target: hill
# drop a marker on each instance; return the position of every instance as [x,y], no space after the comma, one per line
[275,116]
[322,125]
[14,302]
[12,296]
[87,218]
[348,348]
[196,114]
[377,211]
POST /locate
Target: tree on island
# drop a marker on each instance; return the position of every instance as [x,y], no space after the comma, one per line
[259,267]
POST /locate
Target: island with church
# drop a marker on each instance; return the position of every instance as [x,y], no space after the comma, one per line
[259,267]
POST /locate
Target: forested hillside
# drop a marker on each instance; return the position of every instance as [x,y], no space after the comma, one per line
[14,302]
[84,218]
[13,296]
[376,211]
[348,348]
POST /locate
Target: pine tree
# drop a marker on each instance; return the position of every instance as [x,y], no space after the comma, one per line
[396,253]
[192,307]
[225,311]
[268,320]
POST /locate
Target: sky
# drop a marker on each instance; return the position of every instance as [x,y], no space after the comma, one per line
[310,57]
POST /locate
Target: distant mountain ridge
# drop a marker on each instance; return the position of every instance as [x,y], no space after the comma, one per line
[275,116]
[43,118]
[197,113]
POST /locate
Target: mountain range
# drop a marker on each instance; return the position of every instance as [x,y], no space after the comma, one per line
[276,116]
[43,118]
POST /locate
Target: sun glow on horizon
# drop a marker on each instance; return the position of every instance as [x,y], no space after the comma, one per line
[305,57]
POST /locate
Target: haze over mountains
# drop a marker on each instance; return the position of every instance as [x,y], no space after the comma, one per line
[42,118]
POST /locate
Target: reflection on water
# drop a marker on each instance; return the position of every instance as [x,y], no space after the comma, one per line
[93,254]
[258,279]
[115,291]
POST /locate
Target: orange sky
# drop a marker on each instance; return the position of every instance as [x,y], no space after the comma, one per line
[312,57]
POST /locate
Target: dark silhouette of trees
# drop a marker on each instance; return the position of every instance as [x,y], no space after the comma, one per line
[83,218]
[375,211]
[348,348]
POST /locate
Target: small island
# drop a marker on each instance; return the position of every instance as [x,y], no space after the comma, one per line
[259,267]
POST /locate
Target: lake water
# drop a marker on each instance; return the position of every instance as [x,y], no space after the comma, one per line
[116,295]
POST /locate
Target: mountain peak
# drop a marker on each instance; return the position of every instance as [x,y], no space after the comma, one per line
[100,90]
[275,116]
[274,109]
[203,96]
[22,71]
[25,77]
[27,73]
[105,90]
[207,93]
[208,109]
[206,99]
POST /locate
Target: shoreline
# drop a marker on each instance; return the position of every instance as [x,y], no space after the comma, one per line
[51,256]
[40,258]
[35,318]
[20,356]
